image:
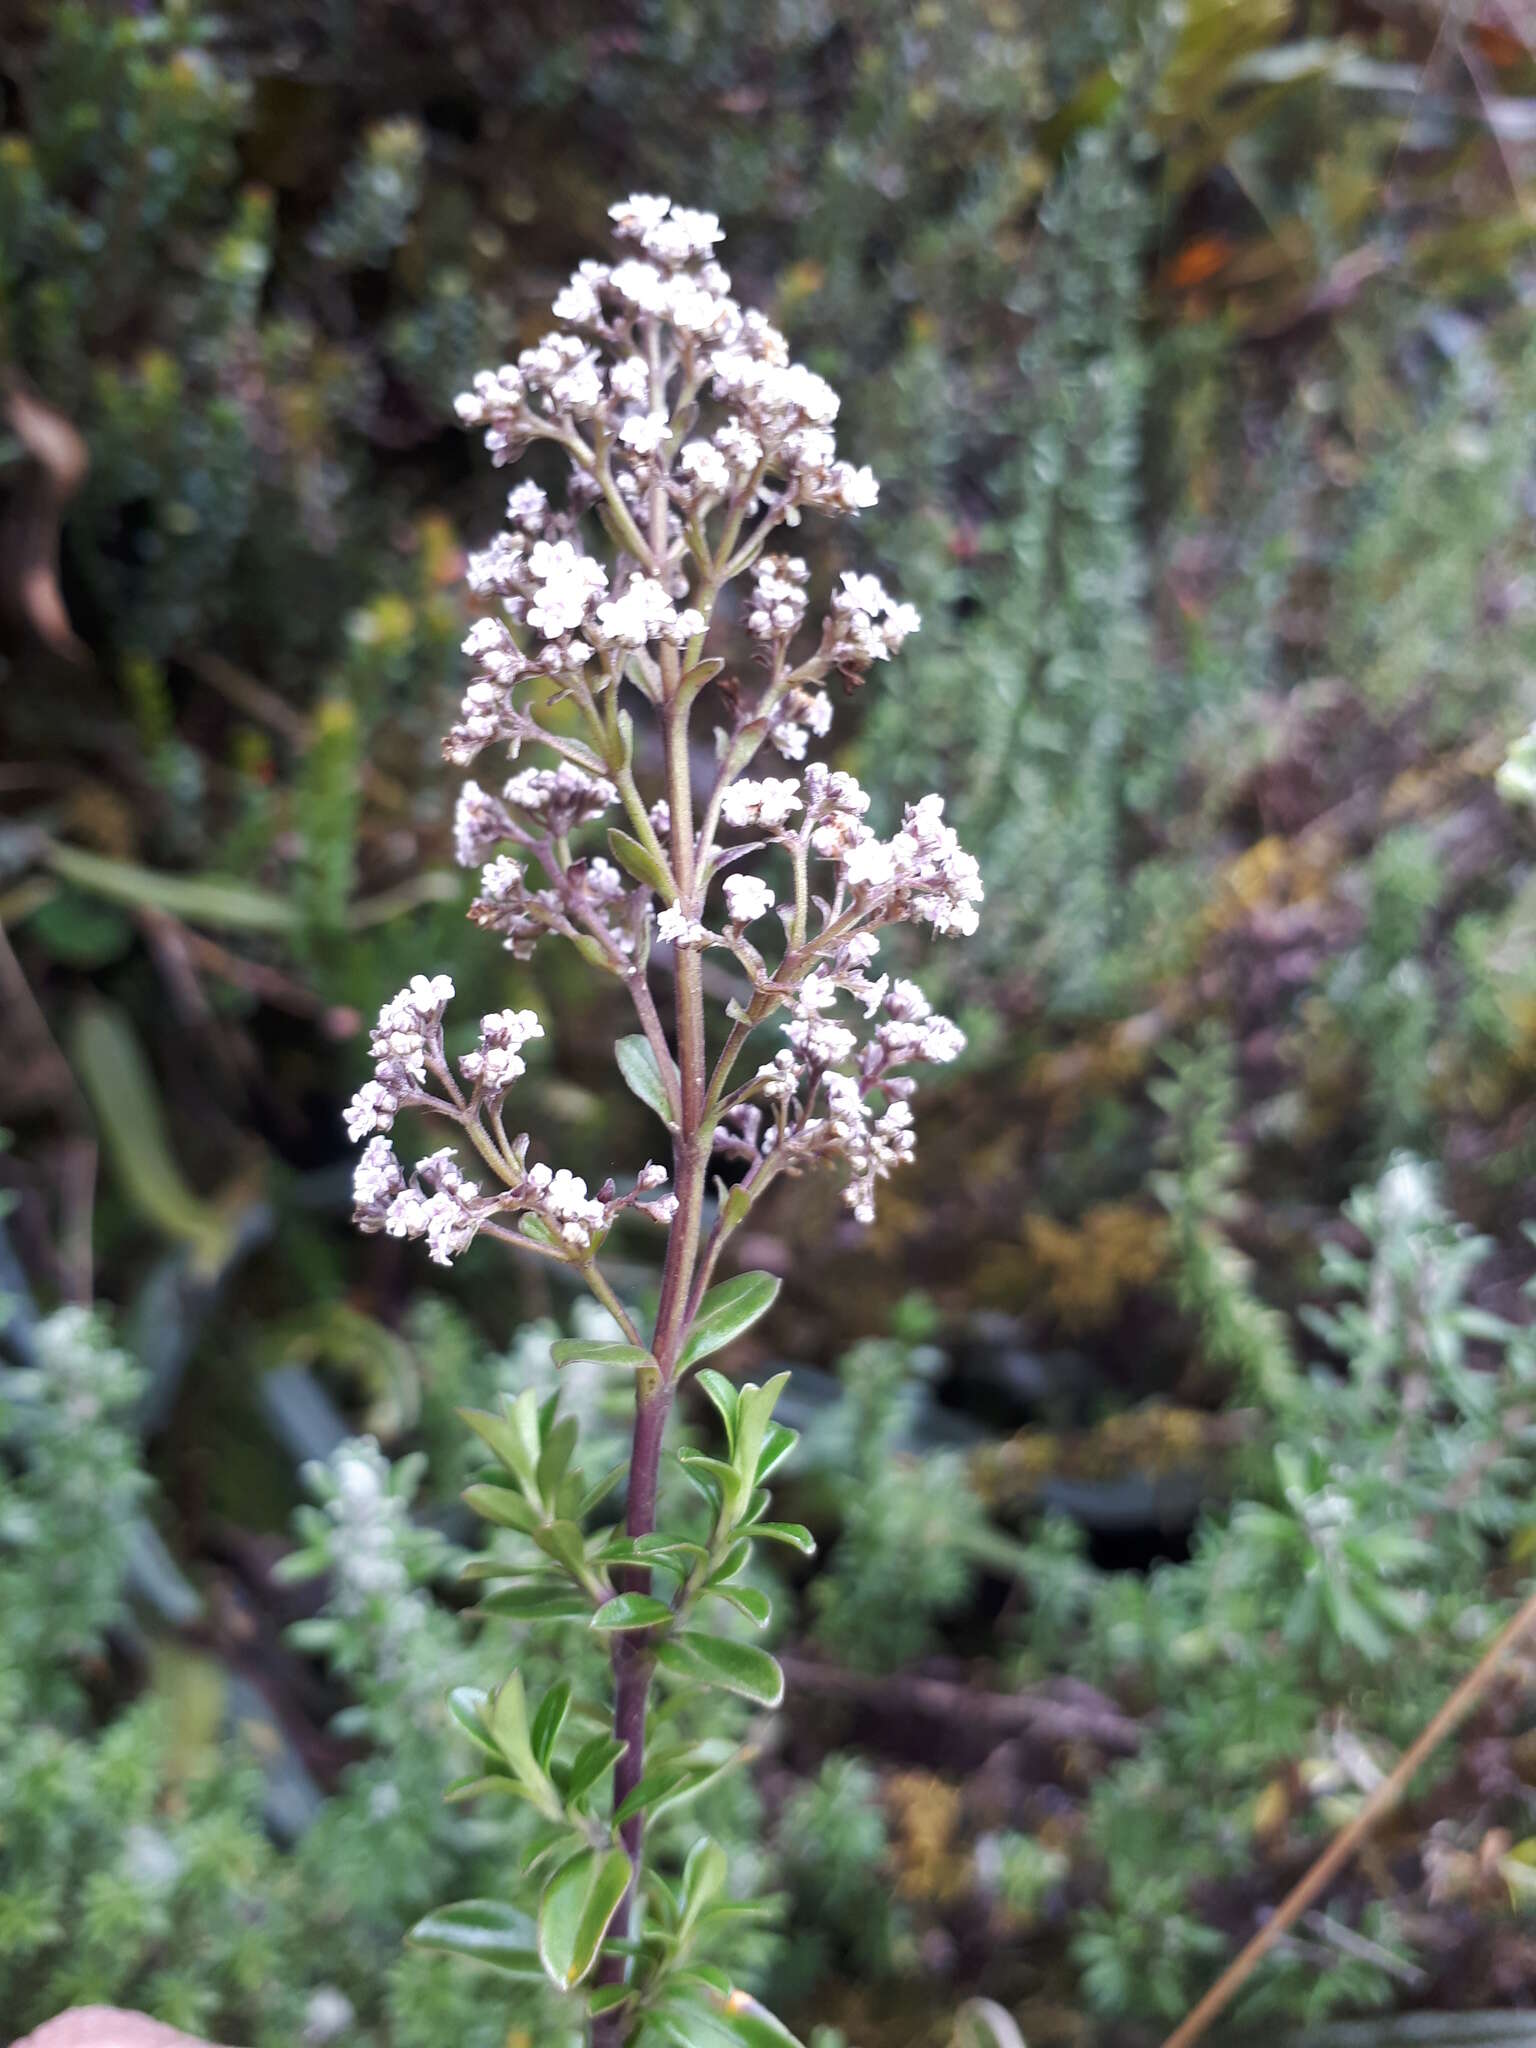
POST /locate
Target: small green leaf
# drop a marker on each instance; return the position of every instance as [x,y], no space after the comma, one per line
[795,1534]
[551,1839]
[642,1076]
[592,951]
[723,1395]
[707,2017]
[704,1876]
[667,1553]
[778,1442]
[669,1784]
[466,1703]
[577,1906]
[564,1543]
[477,1570]
[499,1504]
[706,1974]
[559,1443]
[1353,1620]
[537,1602]
[512,1438]
[705,1472]
[734,1562]
[659,1544]
[547,1722]
[601,1488]
[711,1660]
[681,2021]
[599,1351]
[632,1610]
[747,1600]
[537,1229]
[726,1312]
[509,1728]
[478,1783]
[483,1931]
[608,1998]
[637,860]
[591,1763]
[754,1408]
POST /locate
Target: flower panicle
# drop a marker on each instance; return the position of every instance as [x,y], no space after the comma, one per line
[690,437]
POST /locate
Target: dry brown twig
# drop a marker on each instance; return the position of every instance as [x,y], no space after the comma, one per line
[1349,1838]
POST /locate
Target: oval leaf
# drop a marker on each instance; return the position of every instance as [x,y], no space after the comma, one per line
[574,1913]
[726,1312]
[499,1504]
[711,1660]
[512,1438]
[632,1610]
[671,1783]
[484,1931]
[548,1721]
[466,1703]
[589,1351]
[638,861]
[590,1764]
[747,1600]
[537,1603]
[723,1395]
[795,1534]
[642,1076]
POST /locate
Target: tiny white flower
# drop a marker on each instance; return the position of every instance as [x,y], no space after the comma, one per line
[747,898]
[675,927]
[645,433]
[372,1108]
[703,464]
[770,802]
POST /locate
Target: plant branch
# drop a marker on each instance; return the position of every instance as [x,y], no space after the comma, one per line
[605,1294]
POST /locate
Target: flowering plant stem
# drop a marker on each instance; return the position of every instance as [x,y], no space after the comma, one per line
[620,391]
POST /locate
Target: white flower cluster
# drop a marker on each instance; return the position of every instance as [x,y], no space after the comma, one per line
[406,1042]
[833,1098]
[779,597]
[645,613]
[920,874]
[618,386]
[560,798]
[588,898]
[770,803]
[438,1202]
[497,1061]
[867,623]
[691,436]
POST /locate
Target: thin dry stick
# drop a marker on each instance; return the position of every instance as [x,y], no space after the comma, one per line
[1348,1839]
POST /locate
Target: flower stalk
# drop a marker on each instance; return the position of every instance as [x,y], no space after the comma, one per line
[686,425]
